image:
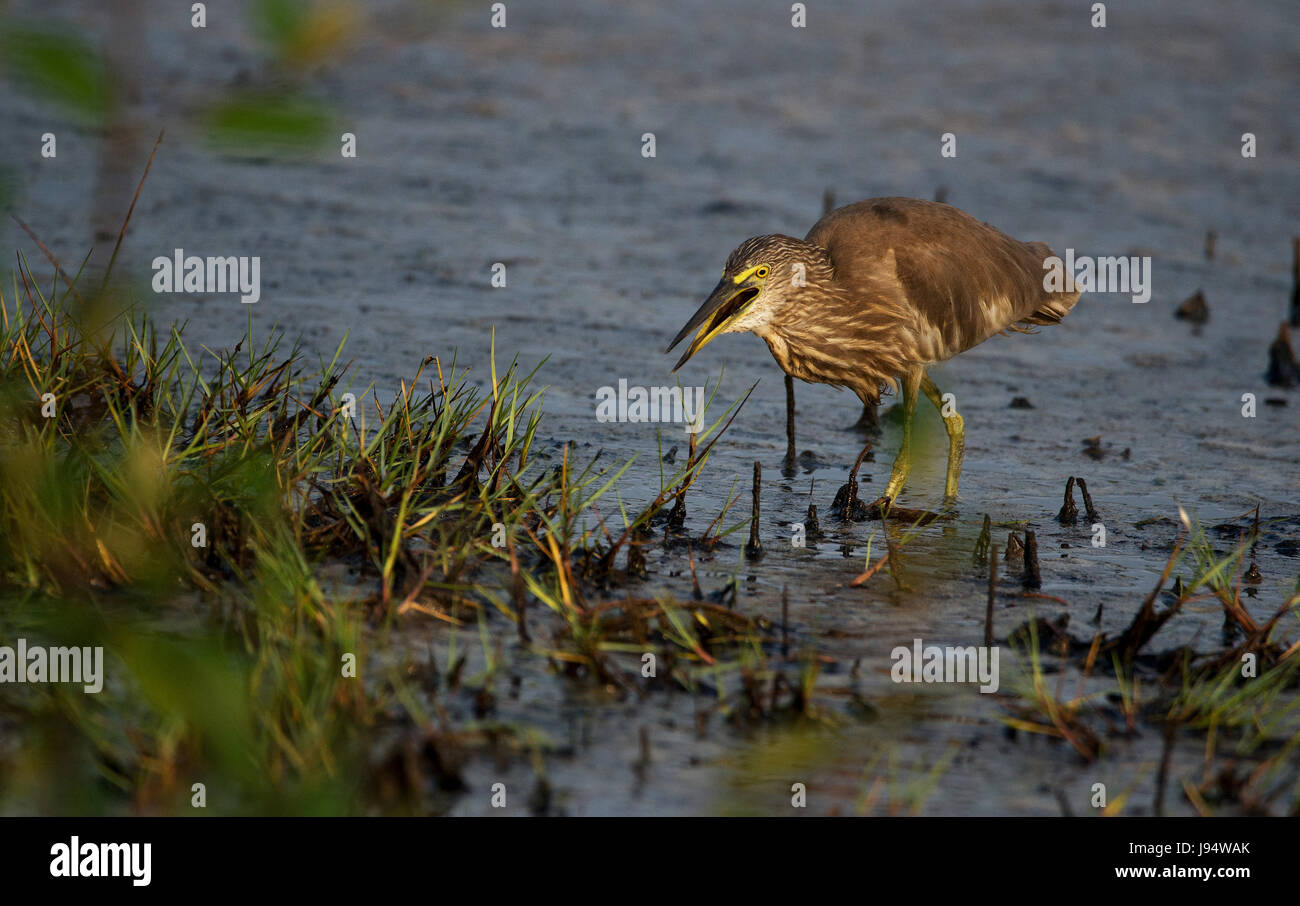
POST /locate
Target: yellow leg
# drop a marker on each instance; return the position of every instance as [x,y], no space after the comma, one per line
[956,437]
[903,461]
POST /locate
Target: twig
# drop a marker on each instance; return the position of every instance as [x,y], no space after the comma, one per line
[993,583]
[122,233]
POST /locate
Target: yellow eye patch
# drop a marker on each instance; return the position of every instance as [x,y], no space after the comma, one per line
[760,271]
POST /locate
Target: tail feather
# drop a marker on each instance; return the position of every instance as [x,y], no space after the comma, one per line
[1058,305]
[1053,311]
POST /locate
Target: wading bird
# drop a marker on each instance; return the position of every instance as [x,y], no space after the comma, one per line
[873,295]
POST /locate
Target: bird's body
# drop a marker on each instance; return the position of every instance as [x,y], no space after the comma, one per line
[904,283]
[878,291]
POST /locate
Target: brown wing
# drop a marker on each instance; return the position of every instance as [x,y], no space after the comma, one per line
[963,279]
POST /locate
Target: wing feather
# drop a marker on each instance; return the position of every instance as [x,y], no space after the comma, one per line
[963,280]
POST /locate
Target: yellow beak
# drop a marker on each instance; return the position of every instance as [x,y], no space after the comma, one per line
[725,303]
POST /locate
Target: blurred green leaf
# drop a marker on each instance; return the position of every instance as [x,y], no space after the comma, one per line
[198,683]
[56,65]
[279,21]
[258,124]
[300,33]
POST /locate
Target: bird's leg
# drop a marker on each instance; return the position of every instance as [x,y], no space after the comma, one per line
[788,467]
[869,423]
[903,461]
[956,438]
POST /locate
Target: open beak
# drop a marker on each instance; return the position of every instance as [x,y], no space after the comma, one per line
[726,302]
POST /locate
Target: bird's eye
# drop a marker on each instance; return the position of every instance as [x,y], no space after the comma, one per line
[762,272]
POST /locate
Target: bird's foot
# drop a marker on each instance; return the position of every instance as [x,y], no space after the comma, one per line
[879,508]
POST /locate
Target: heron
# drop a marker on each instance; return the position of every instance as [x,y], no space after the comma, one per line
[877,292]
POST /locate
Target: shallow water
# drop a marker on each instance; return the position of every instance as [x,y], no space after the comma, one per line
[523,146]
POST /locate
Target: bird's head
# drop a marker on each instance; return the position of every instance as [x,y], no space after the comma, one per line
[761,276]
